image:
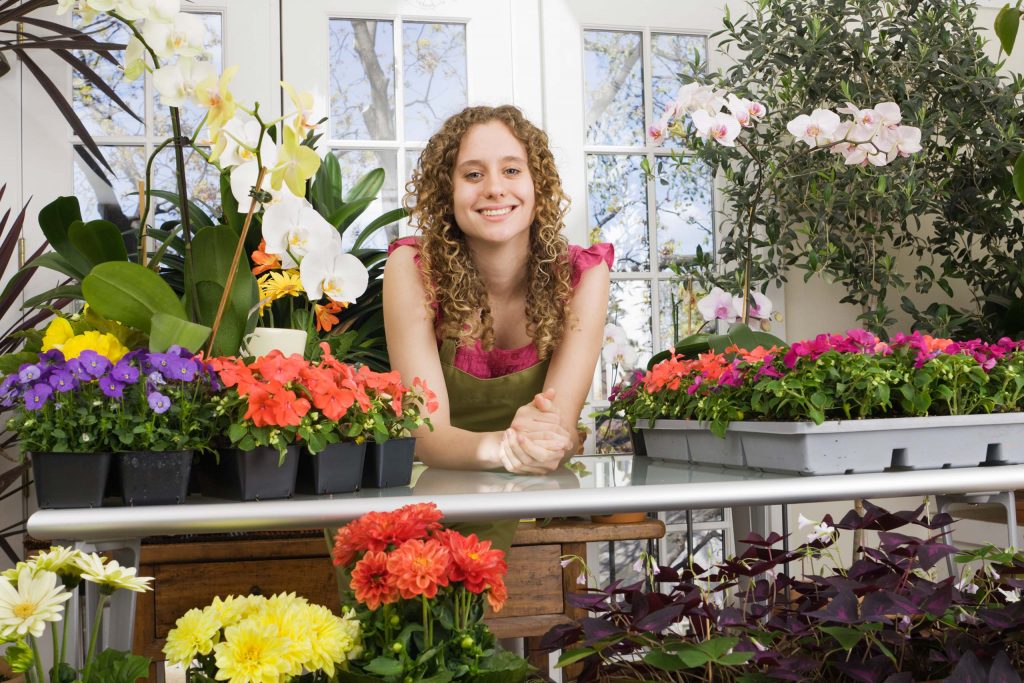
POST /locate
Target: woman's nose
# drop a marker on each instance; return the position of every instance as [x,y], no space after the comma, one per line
[494,186]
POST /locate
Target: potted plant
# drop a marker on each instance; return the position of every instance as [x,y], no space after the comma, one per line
[802,614]
[256,638]
[419,591]
[334,443]
[395,411]
[839,403]
[32,596]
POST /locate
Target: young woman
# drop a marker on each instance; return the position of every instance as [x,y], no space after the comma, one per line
[490,305]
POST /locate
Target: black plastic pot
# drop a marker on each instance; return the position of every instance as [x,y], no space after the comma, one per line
[70,480]
[250,475]
[389,463]
[154,478]
[336,469]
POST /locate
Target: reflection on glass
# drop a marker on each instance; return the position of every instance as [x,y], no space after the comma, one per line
[614,87]
[611,435]
[434,58]
[191,113]
[675,517]
[677,301]
[354,165]
[110,198]
[672,55]
[617,208]
[685,210]
[707,549]
[629,307]
[362,75]
[98,113]
[201,179]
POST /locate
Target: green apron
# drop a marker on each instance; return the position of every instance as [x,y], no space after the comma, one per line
[488,405]
[478,405]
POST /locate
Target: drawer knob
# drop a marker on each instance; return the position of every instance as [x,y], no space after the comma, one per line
[255,590]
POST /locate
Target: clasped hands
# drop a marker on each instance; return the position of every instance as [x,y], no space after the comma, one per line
[536,442]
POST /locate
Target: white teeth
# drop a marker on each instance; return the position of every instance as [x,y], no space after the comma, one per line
[496,212]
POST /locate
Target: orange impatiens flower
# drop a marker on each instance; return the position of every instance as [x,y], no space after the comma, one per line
[419,568]
[264,261]
[371,582]
[326,315]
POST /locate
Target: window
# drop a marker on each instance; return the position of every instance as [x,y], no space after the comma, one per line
[374,121]
[127,142]
[654,223]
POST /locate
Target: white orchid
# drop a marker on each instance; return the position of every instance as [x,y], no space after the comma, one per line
[739,107]
[693,97]
[134,59]
[622,354]
[338,275]
[613,334]
[718,305]
[293,229]
[177,83]
[815,130]
[759,306]
[185,36]
[310,108]
[149,10]
[237,142]
[889,113]
[722,128]
[906,141]
[243,179]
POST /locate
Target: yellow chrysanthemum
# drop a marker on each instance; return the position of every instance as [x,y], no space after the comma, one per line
[195,633]
[106,345]
[331,638]
[234,608]
[277,285]
[57,333]
[251,652]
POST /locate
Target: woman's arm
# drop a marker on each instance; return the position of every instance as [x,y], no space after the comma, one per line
[412,348]
[571,371]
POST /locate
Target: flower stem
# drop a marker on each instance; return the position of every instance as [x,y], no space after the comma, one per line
[426,624]
[64,630]
[39,661]
[95,636]
[56,662]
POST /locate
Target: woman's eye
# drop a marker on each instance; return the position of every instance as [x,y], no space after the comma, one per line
[512,171]
[473,175]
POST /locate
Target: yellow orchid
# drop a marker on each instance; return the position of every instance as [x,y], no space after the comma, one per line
[306,109]
[295,164]
[215,96]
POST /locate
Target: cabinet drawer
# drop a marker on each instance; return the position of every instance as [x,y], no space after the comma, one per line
[534,582]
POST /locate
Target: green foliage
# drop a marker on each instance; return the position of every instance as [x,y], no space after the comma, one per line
[130,293]
[213,249]
[851,224]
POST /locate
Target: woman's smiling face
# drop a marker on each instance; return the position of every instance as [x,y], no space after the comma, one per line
[493,190]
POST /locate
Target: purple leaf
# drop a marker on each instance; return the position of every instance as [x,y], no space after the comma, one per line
[595,629]
[588,601]
[559,637]
[930,553]
[842,609]
[875,670]
[940,599]
[1010,616]
[880,605]
[658,621]
[1002,671]
[904,677]
[969,670]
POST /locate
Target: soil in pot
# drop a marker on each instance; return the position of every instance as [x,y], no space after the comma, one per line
[70,480]
[389,463]
[154,478]
[336,469]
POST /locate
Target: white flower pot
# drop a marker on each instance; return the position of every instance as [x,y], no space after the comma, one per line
[840,446]
[263,340]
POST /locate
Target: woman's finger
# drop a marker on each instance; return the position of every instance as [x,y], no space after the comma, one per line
[518,461]
[533,454]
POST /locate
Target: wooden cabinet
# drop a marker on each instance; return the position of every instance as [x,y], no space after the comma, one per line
[190,572]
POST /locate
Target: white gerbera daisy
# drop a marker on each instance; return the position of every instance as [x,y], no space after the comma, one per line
[36,600]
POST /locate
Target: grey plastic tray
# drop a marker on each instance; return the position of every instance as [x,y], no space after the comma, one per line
[846,445]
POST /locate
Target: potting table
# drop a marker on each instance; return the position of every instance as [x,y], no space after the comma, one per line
[615,484]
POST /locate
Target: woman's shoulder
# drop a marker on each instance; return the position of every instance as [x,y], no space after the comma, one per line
[583,259]
[413,242]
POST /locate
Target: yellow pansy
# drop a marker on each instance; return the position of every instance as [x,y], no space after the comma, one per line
[295,164]
[107,345]
[57,333]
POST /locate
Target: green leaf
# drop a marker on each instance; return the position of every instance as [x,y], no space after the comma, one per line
[130,293]
[572,656]
[213,250]
[55,261]
[377,223]
[1018,177]
[693,657]
[10,362]
[97,241]
[325,193]
[168,330]
[718,646]
[384,666]
[1006,25]
[198,217]
[846,637]
[664,661]
[55,219]
[735,658]
[65,292]
[343,217]
[367,186]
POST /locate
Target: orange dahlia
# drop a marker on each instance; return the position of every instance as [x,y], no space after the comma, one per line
[419,567]
[474,562]
[372,583]
[497,595]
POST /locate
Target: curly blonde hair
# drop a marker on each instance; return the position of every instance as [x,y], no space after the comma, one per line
[449,274]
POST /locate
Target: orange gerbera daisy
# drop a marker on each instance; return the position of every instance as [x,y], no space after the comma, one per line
[419,568]
[372,583]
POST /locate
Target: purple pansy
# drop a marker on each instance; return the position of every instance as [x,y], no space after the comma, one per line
[155,379]
[111,388]
[158,402]
[183,369]
[62,380]
[93,363]
[125,372]
[37,396]
[29,373]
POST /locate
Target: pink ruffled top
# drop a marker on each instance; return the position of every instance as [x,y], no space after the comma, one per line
[478,362]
